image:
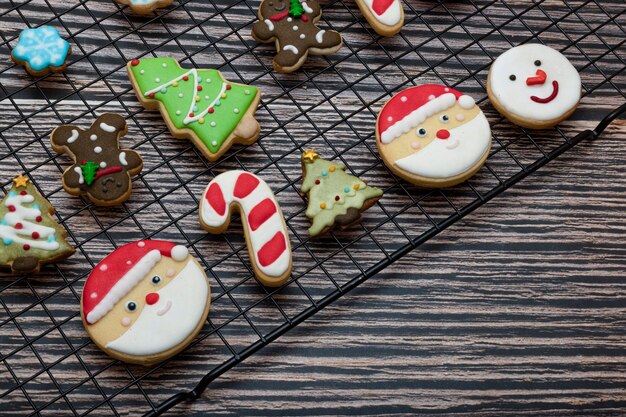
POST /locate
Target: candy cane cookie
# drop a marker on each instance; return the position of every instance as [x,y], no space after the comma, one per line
[264,227]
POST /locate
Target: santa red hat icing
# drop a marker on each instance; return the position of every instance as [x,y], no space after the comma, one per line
[117,274]
[410,108]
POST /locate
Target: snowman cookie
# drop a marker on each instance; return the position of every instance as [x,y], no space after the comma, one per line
[534,86]
[292,26]
[145,302]
[433,136]
[386,17]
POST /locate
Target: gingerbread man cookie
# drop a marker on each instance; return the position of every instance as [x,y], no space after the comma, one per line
[291,25]
[101,170]
[146,301]
[142,7]
[534,86]
[385,16]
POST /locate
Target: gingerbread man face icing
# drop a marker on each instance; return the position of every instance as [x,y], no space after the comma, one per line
[534,86]
[433,136]
[291,24]
[146,301]
[101,170]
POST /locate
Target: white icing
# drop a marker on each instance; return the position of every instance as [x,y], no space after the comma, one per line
[103,164]
[445,158]
[122,158]
[291,48]
[390,17]
[466,102]
[159,327]
[269,24]
[23,215]
[93,137]
[73,137]
[306,7]
[124,285]
[514,96]
[107,128]
[179,253]
[418,116]
[81,179]
[264,233]
[97,149]
[319,36]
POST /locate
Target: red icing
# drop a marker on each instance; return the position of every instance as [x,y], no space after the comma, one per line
[279,16]
[211,109]
[152,298]
[246,183]
[555,92]
[26,246]
[191,114]
[134,62]
[416,97]
[540,79]
[443,134]
[261,213]
[108,171]
[23,192]
[228,87]
[186,77]
[272,249]
[35,235]
[337,198]
[100,282]
[39,219]
[11,208]
[199,88]
[151,95]
[304,18]
[215,197]
[381,6]
[18,226]
[317,182]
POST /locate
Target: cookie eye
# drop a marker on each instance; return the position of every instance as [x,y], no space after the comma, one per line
[131,306]
[156,280]
[537,63]
[444,118]
[512,77]
[421,132]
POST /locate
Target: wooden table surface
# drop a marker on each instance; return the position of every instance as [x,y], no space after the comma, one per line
[518,309]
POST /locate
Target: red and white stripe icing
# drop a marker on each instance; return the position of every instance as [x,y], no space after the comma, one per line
[264,220]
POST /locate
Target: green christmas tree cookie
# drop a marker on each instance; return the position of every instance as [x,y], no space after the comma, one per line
[29,236]
[197,104]
[336,199]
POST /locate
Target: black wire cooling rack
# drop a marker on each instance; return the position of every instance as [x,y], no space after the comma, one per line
[48,364]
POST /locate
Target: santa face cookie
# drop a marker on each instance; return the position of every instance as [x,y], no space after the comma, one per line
[145,302]
[534,86]
[433,136]
[385,16]
[102,170]
[291,25]
[197,104]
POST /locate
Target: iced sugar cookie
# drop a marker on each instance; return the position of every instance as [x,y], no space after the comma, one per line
[102,170]
[29,236]
[336,198]
[292,26]
[142,7]
[197,104]
[263,223]
[534,86]
[433,136]
[41,50]
[145,301]
[386,17]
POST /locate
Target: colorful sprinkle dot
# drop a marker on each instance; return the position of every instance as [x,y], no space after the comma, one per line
[26,246]
[18,226]
[324,173]
[201,120]
[211,110]
[323,206]
[197,99]
[213,124]
[23,192]
[228,87]
[195,108]
[331,169]
[208,80]
[39,219]
[178,112]
[236,110]
[164,90]
[164,65]
[7,241]
[337,198]
[199,79]
[186,77]
[199,88]
[206,97]
[346,190]
[356,186]
[134,62]
[151,95]
[35,235]
[190,114]
[142,72]
[247,92]
[180,95]
[317,182]
[223,95]
[11,208]
[175,83]
[158,80]
[218,103]
[214,143]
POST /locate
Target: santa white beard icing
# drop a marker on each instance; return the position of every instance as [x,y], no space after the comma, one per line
[433,136]
[145,301]
[534,86]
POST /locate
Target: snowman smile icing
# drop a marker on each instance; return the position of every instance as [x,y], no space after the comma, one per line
[534,82]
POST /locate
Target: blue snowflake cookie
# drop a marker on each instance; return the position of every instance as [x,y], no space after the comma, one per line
[41,50]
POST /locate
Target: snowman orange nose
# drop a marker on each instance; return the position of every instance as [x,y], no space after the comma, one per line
[443,134]
[152,298]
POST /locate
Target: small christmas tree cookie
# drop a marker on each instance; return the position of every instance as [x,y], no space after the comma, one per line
[29,236]
[197,104]
[336,199]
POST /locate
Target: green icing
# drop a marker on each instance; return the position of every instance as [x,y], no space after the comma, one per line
[332,184]
[179,100]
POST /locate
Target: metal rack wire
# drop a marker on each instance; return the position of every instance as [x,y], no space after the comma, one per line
[48,364]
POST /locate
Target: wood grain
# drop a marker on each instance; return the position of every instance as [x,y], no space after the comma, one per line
[519,309]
